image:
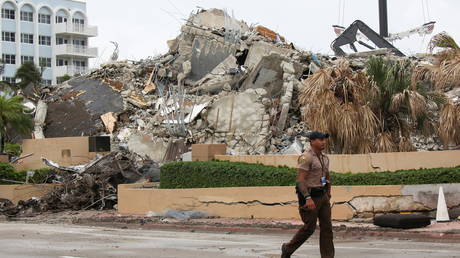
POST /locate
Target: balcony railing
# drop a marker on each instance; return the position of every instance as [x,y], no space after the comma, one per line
[78,29]
[75,50]
[70,70]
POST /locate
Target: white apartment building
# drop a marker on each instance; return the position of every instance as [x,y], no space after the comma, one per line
[52,33]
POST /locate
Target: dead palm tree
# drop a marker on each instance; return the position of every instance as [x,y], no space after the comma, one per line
[334,100]
[445,70]
[371,111]
[444,74]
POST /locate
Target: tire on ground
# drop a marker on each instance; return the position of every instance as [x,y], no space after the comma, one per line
[404,221]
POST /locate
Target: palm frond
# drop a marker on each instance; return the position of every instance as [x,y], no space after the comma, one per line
[405,144]
[442,40]
[449,124]
[417,104]
[384,143]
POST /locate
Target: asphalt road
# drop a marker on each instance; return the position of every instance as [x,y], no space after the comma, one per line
[66,241]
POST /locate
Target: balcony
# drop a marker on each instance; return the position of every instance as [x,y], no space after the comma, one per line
[76,29]
[71,70]
[70,50]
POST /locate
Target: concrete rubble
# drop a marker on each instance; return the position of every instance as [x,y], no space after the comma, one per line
[222,81]
[90,186]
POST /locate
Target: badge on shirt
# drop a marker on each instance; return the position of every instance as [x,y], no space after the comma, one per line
[323,181]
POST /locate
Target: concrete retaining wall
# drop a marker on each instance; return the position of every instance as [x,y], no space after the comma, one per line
[66,151]
[360,163]
[16,193]
[349,202]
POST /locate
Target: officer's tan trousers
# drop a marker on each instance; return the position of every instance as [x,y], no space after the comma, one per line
[309,217]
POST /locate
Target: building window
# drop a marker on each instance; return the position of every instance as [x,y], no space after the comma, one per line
[27,16]
[46,82]
[9,59]
[10,80]
[44,18]
[78,21]
[62,62]
[27,38]
[61,19]
[8,36]
[25,59]
[8,14]
[61,41]
[44,40]
[79,42]
[44,62]
[79,63]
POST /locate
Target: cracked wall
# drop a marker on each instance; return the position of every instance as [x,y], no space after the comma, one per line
[348,202]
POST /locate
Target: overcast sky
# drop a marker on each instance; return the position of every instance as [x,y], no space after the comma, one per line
[142,27]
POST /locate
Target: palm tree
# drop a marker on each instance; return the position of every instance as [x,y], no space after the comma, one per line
[399,104]
[367,111]
[334,100]
[12,115]
[444,74]
[28,74]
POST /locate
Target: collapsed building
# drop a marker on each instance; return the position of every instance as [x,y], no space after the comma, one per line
[221,81]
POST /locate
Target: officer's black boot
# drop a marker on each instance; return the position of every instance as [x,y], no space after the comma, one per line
[284,253]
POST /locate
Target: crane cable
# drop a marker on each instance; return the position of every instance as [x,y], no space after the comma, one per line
[340,12]
[341,18]
[426,11]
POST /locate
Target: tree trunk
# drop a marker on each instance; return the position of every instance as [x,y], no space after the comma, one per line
[2,143]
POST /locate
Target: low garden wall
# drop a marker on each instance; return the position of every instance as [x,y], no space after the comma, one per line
[359,163]
[16,193]
[348,202]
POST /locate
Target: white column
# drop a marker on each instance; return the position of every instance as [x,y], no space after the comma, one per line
[36,43]
[17,19]
[53,48]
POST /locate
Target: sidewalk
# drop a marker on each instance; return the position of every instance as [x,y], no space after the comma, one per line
[441,232]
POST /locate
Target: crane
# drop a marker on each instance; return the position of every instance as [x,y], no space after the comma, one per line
[359,32]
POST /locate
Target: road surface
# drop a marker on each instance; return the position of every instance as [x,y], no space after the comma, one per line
[67,241]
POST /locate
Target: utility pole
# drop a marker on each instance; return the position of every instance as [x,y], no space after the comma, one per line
[383,18]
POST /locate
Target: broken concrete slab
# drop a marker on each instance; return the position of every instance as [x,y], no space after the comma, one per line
[145,145]
[206,55]
[216,19]
[219,77]
[428,194]
[241,113]
[268,75]
[384,204]
[98,97]
[261,49]
[74,107]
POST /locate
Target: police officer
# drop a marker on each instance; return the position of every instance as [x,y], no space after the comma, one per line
[313,189]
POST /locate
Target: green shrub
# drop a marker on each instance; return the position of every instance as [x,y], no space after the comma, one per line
[9,173]
[199,174]
[13,149]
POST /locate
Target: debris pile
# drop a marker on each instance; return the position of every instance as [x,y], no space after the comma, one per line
[90,186]
[221,81]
